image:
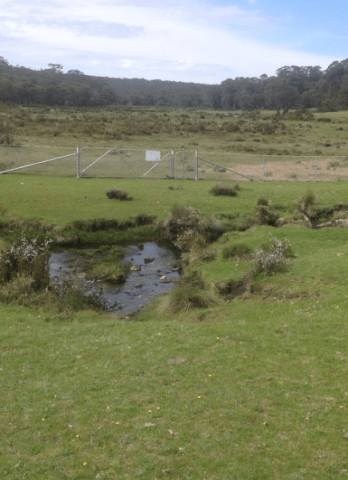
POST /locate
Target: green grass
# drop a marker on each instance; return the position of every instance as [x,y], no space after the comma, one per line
[166,128]
[263,139]
[249,389]
[64,200]
[255,391]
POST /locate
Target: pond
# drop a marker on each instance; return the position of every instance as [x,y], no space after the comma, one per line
[153,272]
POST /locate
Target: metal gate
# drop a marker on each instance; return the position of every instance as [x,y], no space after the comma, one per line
[124,163]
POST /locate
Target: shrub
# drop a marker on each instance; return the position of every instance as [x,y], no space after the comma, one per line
[305,202]
[187,231]
[189,240]
[224,190]
[103,224]
[118,194]
[264,216]
[19,289]
[181,219]
[268,263]
[26,258]
[73,297]
[144,219]
[333,164]
[232,127]
[210,228]
[262,201]
[6,134]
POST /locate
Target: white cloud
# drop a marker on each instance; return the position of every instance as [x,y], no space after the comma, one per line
[159,40]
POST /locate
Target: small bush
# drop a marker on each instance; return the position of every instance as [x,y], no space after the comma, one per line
[118,194]
[262,201]
[72,297]
[305,202]
[333,164]
[232,127]
[103,224]
[211,229]
[187,231]
[190,240]
[264,216]
[224,190]
[268,263]
[26,258]
[181,220]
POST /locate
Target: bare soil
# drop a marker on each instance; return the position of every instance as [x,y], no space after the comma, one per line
[304,171]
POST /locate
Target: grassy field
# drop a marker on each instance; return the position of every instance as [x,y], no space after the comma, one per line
[229,139]
[294,133]
[251,387]
[213,133]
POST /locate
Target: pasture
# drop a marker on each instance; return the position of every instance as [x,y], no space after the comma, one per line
[268,146]
[251,386]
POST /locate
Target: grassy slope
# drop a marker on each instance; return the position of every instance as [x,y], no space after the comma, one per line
[166,128]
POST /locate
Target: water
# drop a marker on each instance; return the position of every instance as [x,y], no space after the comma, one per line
[153,272]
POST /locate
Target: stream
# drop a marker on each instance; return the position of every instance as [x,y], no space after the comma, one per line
[153,272]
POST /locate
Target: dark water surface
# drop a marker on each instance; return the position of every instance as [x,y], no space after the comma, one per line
[153,272]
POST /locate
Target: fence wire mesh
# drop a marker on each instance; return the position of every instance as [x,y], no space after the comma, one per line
[176,164]
[124,163]
[38,160]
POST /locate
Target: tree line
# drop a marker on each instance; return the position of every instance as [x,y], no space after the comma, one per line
[291,87]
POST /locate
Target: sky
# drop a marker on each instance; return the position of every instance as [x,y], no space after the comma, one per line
[200,41]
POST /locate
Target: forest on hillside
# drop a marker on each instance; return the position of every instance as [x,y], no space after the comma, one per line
[291,87]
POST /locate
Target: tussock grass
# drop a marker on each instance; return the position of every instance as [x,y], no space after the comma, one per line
[236,250]
[117,194]
[184,298]
[225,190]
[191,293]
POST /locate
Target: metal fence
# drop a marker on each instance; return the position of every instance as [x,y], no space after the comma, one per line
[112,162]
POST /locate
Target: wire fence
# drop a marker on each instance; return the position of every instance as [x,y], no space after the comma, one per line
[110,162]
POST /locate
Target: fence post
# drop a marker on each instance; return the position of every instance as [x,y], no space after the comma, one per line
[263,167]
[172,160]
[78,173]
[316,169]
[196,164]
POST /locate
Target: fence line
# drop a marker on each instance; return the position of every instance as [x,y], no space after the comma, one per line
[113,162]
[37,163]
[233,171]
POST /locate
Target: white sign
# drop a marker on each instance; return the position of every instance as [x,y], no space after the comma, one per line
[153,156]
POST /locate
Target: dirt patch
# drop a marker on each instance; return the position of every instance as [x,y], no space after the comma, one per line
[305,171]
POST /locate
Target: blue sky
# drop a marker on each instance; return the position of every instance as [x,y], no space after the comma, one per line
[201,41]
